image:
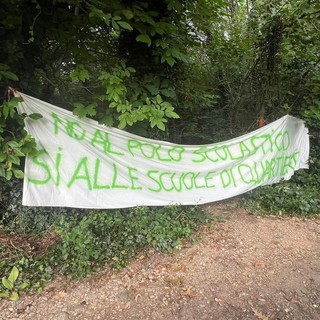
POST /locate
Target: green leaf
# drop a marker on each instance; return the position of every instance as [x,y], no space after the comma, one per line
[4,295]
[161,126]
[8,175]
[18,152]
[2,171]
[9,75]
[170,61]
[173,115]
[12,158]
[7,283]
[108,121]
[83,75]
[13,144]
[152,89]
[122,124]
[9,107]
[82,111]
[28,147]
[23,285]
[14,296]
[6,110]
[91,109]
[80,73]
[128,14]
[18,174]
[158,99]
[79,110]
[144,38]
[35,116]
[115,25]
[3,66]
[14,274]
[168,93]
[125,25]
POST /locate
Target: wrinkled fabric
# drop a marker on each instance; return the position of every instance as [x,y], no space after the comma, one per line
[87,165]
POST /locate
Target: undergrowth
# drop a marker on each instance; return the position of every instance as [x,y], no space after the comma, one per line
[93,239]
[117,236]
[299,196]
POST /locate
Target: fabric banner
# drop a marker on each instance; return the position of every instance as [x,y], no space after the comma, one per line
[87,165]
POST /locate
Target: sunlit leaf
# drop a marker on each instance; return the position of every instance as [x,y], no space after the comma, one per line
[7,283]
[14,296]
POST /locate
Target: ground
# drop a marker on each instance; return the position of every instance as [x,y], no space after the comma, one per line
[242,267]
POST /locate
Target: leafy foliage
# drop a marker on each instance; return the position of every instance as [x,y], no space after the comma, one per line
[10,285]
[115,237]
[93,239]
[14,144]
[33,274]
[116,61]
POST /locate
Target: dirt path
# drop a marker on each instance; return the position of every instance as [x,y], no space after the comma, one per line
[245,268]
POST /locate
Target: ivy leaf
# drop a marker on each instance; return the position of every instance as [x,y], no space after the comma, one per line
[125,25]
[144,38]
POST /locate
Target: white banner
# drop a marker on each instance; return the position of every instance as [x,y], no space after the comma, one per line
[86,165]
